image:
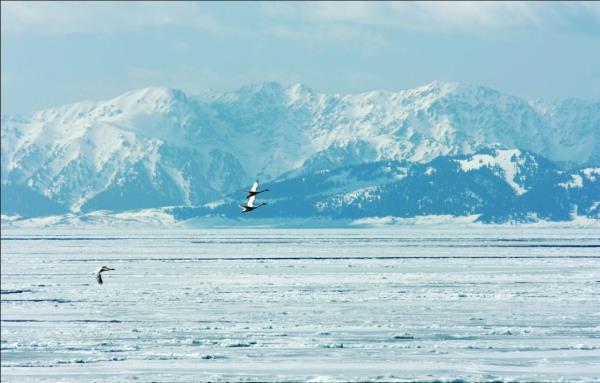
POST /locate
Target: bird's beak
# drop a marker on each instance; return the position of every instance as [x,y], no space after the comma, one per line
[110,269]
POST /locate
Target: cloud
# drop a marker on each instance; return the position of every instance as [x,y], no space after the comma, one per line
[367,42]
[61,18]
[448,16]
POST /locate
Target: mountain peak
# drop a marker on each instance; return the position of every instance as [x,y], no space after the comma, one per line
[145,100]
[438,86]
[154,93]
[266,87]
[299,93]
[187,149]
[457,88]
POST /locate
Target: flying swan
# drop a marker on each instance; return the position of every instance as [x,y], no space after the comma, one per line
[249,206]
[253,192]
[98,273]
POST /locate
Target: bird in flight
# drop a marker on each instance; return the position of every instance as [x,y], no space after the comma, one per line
[249,206]
[253,190]
[98,273]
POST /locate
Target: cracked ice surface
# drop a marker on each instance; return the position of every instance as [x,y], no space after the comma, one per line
[481,304]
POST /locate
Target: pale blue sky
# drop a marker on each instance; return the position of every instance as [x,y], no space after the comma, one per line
[56,53]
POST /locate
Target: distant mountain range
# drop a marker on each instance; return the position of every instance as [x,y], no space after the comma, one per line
[500,185]
[442,148]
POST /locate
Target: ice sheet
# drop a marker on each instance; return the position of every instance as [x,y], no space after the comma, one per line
[389,304]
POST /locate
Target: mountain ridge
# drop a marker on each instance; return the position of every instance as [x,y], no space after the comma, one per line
[497,184]
[179,149]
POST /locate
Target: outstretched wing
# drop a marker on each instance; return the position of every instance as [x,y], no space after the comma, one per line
[99,278]
[254,186]
[250,202]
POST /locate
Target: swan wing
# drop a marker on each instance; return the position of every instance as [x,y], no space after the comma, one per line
[250,202]
[99,278]
[254,186]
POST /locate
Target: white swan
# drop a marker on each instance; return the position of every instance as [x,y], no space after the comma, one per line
[98,273]
[249,206]
[253,190]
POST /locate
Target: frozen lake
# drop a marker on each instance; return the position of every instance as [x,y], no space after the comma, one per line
[379,304]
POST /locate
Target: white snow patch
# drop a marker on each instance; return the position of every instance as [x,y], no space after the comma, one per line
[9,218]
[576,182]
[591,173]
[214,204]
[419,220]
[367,194]
[401,173]
[146,216]
[582,221]
[182,183]
[507,160]
[99,218]
[577,221]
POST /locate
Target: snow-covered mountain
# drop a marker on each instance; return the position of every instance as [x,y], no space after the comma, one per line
[497,184]
[157,147]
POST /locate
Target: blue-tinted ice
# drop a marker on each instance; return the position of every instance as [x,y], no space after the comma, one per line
[386,304]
